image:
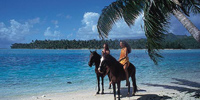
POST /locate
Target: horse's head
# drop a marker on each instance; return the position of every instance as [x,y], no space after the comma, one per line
[93,58]
[103,64]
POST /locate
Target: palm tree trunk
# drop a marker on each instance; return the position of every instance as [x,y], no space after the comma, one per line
[192,29]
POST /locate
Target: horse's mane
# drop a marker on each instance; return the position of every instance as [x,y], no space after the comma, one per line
[113,60]
[108,56]
[94,52]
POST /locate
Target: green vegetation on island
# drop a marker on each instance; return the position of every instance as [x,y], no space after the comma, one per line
[171,41]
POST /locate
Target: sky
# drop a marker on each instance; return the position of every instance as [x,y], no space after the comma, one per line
[22,21]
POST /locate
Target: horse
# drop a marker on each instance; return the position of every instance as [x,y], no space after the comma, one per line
[117,73]
[95,59]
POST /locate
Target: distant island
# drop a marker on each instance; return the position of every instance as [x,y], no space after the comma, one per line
[171,41]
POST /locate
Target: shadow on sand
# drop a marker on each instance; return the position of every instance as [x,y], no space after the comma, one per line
[124,91]
[153,97]
[180,88]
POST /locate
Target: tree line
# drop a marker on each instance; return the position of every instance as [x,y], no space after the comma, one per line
[171,41]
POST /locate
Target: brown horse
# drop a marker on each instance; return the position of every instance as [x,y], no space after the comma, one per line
[95,59]
[117,73]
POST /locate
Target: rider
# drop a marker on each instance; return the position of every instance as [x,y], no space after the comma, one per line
[124,60]
[105,50]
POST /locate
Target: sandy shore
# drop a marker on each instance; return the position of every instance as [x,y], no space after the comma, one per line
[145,92]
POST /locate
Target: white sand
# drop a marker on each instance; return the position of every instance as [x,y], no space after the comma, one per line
[144,93]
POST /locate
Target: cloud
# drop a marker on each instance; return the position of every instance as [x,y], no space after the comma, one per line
[55,22]
[16,32]
[89,29]
[69,35]
[34,21]
[54,34]
[122,30]
[68,17]
[61,15]
[51,34]
[119,30]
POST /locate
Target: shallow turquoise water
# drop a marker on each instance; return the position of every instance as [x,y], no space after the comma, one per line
[33,72]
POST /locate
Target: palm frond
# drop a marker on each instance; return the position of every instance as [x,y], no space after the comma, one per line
[156,15]
[188,6]
[155,25]
[109,16]
[127,9]
[132,10]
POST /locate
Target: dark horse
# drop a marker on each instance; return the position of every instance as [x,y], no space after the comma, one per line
[117,73]
[95,59]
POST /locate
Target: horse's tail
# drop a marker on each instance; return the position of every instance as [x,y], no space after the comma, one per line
[133,77]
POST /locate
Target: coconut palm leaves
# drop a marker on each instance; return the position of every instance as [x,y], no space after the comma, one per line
[155,20]
[109,16]
[156,16]
[188,6]
[127,9]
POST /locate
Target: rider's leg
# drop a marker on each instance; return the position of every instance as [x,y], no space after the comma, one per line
[126,72]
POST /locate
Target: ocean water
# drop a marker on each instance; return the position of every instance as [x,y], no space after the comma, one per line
[25,72]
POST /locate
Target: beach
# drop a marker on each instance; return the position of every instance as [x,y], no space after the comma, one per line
[165,92]
[65,75]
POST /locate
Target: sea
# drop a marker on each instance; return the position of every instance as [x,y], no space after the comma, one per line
[30,72]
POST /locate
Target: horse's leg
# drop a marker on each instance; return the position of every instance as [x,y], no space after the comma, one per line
[118,86]
[128,90]
[102,85]
[114,91]
[98,79]
[109,80]
[134,84]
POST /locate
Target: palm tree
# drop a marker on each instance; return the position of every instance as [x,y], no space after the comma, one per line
[186,7]
[156,19]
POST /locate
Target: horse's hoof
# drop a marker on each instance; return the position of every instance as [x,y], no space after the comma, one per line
[128,95]
[118,98]
[97,93]
[102,92]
